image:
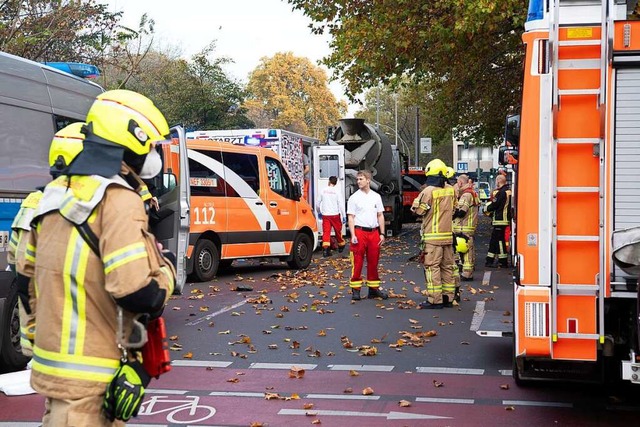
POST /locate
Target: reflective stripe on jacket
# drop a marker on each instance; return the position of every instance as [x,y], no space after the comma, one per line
[468,202]
[436,205]
[500,206]
[75,352]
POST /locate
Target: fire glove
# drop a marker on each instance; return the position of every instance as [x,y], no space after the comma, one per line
[125,392]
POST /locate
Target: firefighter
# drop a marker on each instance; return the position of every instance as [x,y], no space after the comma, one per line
[97,266]
[435,205]
[66,145]
[499,208]
[465,221]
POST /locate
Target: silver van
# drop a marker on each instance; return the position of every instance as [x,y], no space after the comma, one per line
[35,102]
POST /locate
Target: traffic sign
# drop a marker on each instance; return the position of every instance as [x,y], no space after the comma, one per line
[463,166]
[425,145]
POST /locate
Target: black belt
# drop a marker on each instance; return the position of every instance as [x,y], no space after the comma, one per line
[368,228]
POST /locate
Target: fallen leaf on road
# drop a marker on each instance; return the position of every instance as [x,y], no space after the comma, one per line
[296,372]
[510,408]
[174,338]
[367,391]
[256,424]
[227,332]
[404,403]
[413,321]
[188,355]
[504,386]
[316,422]
[506,313]
[354,373]
[348,390]
[271,396]
[273,346]
[175,347]
[464,343]
[233,380]
[308,406]
[322,333]
[437,384]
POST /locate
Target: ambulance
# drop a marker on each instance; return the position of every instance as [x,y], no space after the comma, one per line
[243,204]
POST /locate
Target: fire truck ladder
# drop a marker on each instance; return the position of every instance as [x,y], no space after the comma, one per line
[579,67]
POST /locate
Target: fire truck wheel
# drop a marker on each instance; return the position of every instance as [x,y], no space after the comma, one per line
[207,260]
[301,252]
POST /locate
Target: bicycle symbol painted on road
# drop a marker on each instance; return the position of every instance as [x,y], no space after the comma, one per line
[184,411]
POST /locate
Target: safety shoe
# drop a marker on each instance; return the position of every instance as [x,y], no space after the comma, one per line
[426,305]
[340,249]
[466,279]
[446,302]
[355,294]
[326,252]
[377,293]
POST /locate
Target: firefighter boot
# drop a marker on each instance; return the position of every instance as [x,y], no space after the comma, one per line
[446,302]
[355,294]
[326,252]
[377,293]
[426,305]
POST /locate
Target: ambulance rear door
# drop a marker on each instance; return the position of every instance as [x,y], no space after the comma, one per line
[326,161]
[170,224]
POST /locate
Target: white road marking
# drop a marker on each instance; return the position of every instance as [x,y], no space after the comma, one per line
[478,316]
[200,363]
[440,400]
[363,368]
[389,416]
[533,403]
[506,372]
[460,371]
[212,315]
[486,278]
[341,396]
[308,367]
[235,394]
[165,391]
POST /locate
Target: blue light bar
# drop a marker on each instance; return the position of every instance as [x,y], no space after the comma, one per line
[85,71]
[536,10]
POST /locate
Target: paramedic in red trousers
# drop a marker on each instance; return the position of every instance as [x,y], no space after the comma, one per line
[366,225]
[499,208]
[93,261]
[435,206]
[332,211]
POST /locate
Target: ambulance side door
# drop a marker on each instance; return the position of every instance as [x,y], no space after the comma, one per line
[282,206]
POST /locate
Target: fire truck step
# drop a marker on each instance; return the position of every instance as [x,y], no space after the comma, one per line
[576,92]
[577,238]
[578,189]
[578,141]
[564,335]
[578,289]
[579,43]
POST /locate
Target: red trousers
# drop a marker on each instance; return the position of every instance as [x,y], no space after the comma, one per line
[329,222]
[368,246]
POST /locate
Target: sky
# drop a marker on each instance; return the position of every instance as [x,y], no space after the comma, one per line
[244,30]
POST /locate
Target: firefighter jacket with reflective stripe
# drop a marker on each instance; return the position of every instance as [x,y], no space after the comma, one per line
[468,203]
[75,353]
[22,223]
[435,205]
[500,206]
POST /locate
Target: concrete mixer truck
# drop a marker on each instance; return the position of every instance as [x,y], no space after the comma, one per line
[355,145]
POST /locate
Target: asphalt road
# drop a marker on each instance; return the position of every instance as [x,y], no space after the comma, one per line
[295,350]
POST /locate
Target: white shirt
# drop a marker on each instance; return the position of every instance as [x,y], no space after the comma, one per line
[329,202]
[365,207]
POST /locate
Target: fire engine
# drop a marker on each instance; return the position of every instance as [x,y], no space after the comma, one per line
[574,148]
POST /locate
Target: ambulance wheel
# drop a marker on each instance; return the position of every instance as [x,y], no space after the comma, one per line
[301,252]
[11,357]
[206,261]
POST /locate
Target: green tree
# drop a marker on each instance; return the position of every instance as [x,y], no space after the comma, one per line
[292,93]
[463,56]
[196,93]
[57,30]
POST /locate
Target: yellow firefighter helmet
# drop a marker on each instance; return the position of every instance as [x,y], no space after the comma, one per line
[435,167]
[462,246]
[128,119]
[65,147]
[449,173]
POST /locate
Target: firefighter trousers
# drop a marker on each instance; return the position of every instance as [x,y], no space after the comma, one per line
[438,272]
[368,246]
[497,246]
[86,411]
[331,222]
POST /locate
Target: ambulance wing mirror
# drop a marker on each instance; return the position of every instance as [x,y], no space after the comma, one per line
[512,130]
[507,155]
[297,191]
